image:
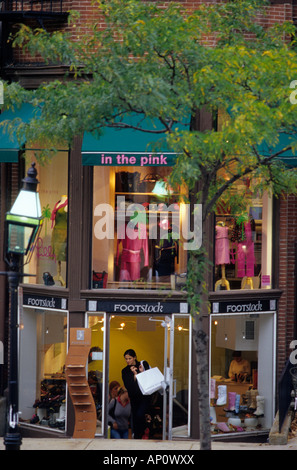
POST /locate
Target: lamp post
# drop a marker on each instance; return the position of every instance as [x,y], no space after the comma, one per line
[22,225]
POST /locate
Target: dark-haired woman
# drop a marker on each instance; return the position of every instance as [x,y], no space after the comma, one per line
[140,404]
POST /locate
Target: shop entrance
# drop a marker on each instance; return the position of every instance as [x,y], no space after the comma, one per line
[164,342]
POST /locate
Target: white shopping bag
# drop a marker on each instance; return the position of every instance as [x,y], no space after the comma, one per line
[150,381]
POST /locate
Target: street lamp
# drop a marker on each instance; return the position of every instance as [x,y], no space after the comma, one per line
[22,224]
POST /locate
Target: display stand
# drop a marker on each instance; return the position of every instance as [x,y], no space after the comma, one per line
[79,390]
[223,281]
[248,281]
[228,417]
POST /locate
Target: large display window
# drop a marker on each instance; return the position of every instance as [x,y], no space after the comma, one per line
[242,367]
[48,263]
[138,224]
[43,349]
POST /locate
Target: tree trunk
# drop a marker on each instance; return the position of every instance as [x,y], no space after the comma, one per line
[197,272]
[201,349]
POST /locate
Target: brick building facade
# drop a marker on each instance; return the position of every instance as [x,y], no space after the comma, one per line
[84,305]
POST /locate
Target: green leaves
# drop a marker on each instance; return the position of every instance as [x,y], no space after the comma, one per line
[158,62]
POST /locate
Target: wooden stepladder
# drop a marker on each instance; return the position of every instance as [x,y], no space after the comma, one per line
[79,390]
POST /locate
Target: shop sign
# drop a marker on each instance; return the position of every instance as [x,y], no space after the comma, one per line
[43,301]
[134,306]
[135,159]
[249,306]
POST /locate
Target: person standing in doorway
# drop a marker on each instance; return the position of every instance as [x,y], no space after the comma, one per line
[140,404]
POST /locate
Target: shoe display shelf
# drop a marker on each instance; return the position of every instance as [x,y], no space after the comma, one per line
[79,390]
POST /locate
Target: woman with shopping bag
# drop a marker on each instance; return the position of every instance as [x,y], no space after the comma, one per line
[140,404]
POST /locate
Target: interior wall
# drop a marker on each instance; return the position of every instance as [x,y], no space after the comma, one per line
[266,365]
[147,339]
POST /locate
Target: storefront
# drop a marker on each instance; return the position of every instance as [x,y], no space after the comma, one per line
[112,251]
[125,288]
[243,319]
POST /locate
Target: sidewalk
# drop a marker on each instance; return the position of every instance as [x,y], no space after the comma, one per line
[114,445]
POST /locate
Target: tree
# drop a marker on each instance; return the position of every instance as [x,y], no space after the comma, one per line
[163,63]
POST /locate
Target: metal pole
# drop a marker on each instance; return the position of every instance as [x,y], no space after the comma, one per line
[12,438]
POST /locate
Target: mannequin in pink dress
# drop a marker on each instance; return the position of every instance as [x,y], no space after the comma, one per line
[134,243]
[222,252]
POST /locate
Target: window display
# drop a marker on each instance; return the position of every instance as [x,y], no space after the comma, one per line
[43,349]
[59,234]
[49,258]
[243,231]
[243,247]
[137,227]
[241,373]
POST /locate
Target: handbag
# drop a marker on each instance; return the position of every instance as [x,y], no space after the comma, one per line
[127,182]
[148,183]
[150,380]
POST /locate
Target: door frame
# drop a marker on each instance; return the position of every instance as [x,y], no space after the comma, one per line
[169,322]
[172,384]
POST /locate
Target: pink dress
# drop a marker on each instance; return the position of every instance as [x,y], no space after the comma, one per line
[134,243]
[246,254]
[222,252]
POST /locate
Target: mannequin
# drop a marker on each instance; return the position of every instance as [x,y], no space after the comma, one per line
[59,235]
[134,242]
[165,250]
[222,252]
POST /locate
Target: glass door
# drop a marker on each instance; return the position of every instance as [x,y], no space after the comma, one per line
[179,335]
[165,342]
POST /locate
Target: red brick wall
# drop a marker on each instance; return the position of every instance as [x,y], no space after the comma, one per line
[286,314]
[89,14]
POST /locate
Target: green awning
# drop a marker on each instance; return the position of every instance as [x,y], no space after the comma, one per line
[127,147]
[9,145]
[285,140]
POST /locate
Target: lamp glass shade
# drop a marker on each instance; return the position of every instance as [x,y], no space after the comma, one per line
[160,188]
[23,223]
[27,204]
[20,237]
